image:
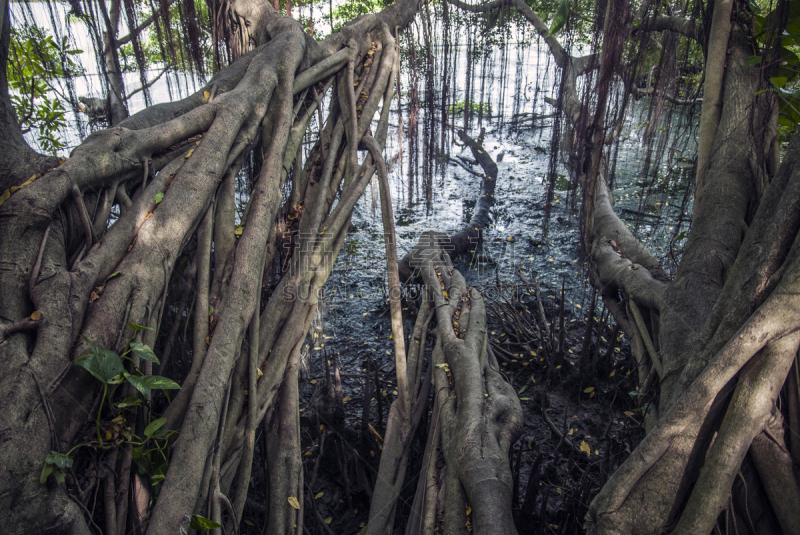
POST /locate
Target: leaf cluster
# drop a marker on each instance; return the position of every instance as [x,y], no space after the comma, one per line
[109,368]
[35,64]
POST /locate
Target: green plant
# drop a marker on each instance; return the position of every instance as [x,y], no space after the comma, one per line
[460,105]
[355,8]
[108,367]
[784,69]
[35,63]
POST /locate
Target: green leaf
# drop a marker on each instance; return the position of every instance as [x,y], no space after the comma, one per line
[681,236]
[94,347]
[128,402]
[159,197]
[115,274]
[143,351]
[521,390]
[787,55]
[138,327]
[46,471]
[560,18]
[139,383]
[60,460]
[752,61]
[162,383]
[779,81]
[146,383]
[102,363]
[153,426]
[201,523]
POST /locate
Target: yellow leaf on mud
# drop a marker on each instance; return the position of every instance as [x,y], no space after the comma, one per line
[612,373]
[469,509]
[259,372]
[148,216]
[189,153]
[328,520]
[238,231]
[628,413]
[588,390]
[36,315]
[585,448]
[313,381]
[206,94]
[346,399]
[318,495]
[294,503]
[377,435]
[571,431]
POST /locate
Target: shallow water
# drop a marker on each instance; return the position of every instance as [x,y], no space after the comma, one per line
[353,319]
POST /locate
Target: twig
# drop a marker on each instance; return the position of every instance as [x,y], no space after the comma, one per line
[227,503]
[51,422]
[648,343]
[37,266]
[146,173]
[84,215]
[316,512]
[25,324]
[148,84]
[559,434]
[85,510]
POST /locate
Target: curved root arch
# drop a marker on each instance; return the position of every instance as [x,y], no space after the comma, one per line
[170,172]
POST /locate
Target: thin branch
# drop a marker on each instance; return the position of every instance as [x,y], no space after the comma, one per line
[37,266]
[648,342]
[148,84]
[84,216]
[681,25]
[145,23]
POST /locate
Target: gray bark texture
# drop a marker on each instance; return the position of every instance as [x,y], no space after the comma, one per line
[58,253]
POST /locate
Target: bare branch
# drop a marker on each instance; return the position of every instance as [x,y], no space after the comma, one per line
[144,24]
[681,25]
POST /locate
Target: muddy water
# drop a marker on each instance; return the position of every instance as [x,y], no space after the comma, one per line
[354,323]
